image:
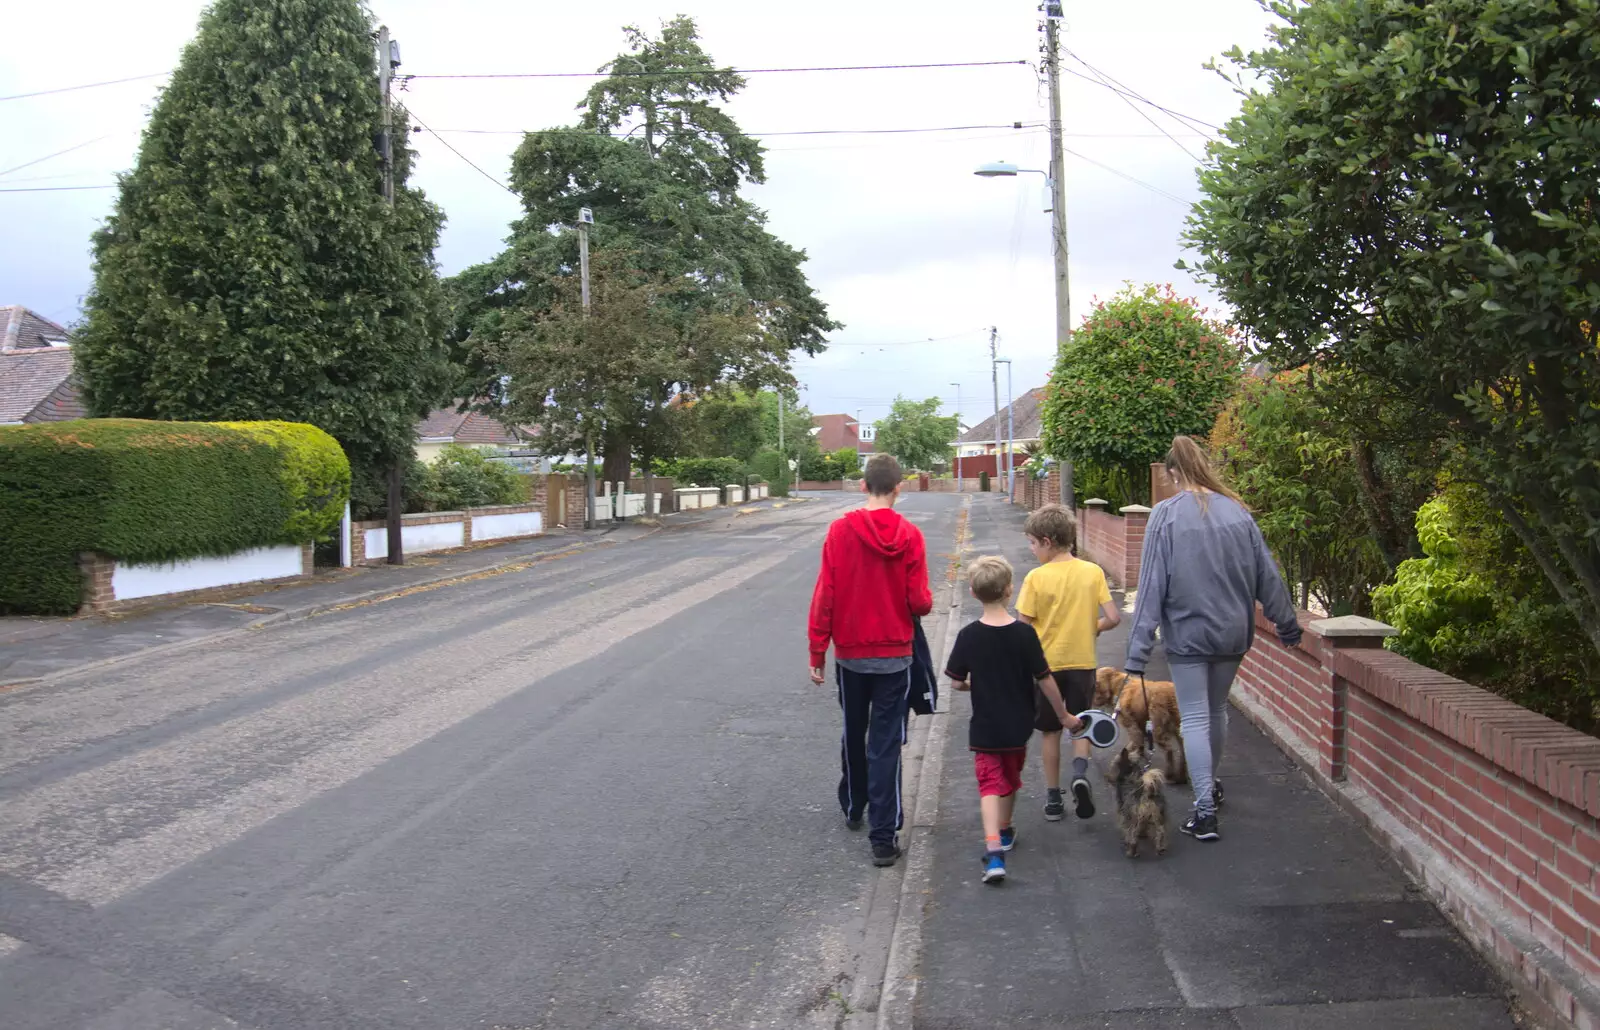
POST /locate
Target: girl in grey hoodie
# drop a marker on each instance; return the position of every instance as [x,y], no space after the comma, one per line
[1205,566]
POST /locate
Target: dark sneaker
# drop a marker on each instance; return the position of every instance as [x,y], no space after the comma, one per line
[1216,793]
[1080,793]
[885,854]
[994,867]
[1008,840]
[852,823]
[1053,808]
[1202,827]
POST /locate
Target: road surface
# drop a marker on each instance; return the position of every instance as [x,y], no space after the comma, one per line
[595,792]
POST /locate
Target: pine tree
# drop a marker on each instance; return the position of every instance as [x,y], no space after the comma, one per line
[251,268]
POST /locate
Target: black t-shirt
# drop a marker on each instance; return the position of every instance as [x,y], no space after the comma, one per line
[1003,664]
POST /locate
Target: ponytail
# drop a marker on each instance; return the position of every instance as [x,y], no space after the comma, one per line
[1189,463]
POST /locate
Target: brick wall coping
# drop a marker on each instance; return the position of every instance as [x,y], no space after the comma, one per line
[1132,509]
[1097,502]
[1558,760]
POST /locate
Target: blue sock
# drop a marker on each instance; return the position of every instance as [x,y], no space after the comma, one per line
[1080,767]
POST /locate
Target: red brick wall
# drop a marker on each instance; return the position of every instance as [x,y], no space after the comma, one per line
[1491,806]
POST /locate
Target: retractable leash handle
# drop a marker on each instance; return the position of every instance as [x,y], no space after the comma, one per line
[1098,728]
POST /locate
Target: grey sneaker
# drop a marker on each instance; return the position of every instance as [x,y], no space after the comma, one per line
[1202,827]
[1053,808]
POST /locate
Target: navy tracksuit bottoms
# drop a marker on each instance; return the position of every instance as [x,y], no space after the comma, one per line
[874,707]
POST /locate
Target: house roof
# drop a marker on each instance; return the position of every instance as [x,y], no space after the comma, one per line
[470,427]
[1028,424]
[23,329]
[35,369]
[840,431]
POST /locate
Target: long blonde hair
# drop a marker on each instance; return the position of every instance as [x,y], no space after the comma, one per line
[1189,463]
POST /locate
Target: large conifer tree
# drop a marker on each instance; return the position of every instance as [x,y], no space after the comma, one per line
[251,268]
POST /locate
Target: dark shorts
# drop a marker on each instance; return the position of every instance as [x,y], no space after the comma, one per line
[1077,691]
[999,772]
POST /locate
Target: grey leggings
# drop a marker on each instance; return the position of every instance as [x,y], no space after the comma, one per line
[1203,705]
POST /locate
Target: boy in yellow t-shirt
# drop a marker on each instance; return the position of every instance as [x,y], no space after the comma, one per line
[1068,603]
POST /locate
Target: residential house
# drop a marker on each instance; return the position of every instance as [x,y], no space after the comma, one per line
[839,431]
[445,426]
[1025,426]
[36,382]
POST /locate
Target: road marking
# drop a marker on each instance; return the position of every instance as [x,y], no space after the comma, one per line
[132,863]
[9,945]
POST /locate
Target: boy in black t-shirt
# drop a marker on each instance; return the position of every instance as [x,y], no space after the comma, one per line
[1000,659]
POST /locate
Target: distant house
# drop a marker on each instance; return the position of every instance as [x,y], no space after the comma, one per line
[1026,427]
[36,383]
[840,431]
[445,426]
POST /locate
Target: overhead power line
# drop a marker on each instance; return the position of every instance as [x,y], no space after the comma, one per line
[1127,98]
[41,160]
[1136,181]
[1143,100]
[55,189]
[762,135]
[86,85]
[677,72]
[413,116]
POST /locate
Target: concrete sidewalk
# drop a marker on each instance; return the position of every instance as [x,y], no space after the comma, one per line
[32,648]
[1294,920]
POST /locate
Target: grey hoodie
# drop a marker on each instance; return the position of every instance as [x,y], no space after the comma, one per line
[1199,580]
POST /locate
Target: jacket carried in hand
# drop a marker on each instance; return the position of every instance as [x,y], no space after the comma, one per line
[873,582]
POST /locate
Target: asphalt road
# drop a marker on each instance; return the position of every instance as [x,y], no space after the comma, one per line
[597,792]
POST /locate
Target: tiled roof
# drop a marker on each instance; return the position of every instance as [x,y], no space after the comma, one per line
[1028,424]
[29,378]
[470,427]
[839,431]
[25,330]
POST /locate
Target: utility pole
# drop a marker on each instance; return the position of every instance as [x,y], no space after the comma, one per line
[586,219]
[1011,432]
[1058,206]
[783,456]
[994,374]
[958,436]
[388,61]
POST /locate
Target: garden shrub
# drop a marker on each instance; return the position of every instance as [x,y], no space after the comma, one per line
[316,474]
[141,491]
[1478,608]
[983,481]
[463,477]
[708,472]
[768,465]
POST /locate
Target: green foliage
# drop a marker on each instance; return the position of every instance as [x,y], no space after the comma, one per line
[706,471]
[465,477]
[983,481]
[1409,192]
[1477,607]
[153,492]
[1116,484]
[768,465]
[1294,464]
[916,434]
[316,475]
[660,164]
[736,422]
[844,463]
[250,268]
[1146,366]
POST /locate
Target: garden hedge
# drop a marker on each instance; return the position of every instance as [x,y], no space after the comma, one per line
[141,491]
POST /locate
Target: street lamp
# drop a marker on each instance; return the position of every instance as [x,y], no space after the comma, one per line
[958,436]
[1011,434]
[1058,229]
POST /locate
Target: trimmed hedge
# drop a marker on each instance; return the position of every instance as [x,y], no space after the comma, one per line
[143,491]
[708,471]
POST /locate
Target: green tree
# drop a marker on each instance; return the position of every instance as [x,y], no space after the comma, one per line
[729,421]
[660,164]
[251,268]
[1146,366]
[916,433]
[1411,192]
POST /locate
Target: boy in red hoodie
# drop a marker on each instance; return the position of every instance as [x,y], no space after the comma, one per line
[873,582]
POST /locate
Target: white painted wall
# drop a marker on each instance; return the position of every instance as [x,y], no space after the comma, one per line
[735,494]
[132,581]
[435,536]
[493,527]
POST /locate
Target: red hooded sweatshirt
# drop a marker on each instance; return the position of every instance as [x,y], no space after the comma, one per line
[874,578]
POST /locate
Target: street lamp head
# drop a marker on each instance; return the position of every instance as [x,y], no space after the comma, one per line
[995,168]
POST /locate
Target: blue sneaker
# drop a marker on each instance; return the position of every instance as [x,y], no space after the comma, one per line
[1008,838]
[994,867]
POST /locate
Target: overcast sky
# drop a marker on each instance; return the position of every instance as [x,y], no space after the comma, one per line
[905,243]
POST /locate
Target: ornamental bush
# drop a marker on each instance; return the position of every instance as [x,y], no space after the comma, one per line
[464,477]
[140,491]
[708,471]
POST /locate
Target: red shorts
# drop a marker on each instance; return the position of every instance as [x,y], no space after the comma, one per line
[999,772]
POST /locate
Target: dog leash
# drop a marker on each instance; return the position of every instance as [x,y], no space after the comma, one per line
[1149,732]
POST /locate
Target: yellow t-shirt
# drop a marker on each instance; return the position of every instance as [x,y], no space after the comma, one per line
[1063,599]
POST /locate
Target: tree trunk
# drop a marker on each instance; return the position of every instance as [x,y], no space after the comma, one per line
[1393,539]
[618,459]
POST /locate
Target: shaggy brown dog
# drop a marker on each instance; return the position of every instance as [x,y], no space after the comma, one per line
[1141,806]
[1115,687]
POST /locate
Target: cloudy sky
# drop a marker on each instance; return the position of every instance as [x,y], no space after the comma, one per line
[911,251]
